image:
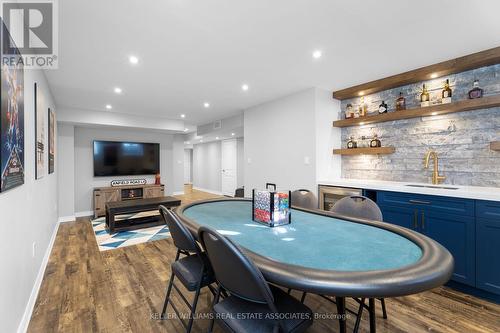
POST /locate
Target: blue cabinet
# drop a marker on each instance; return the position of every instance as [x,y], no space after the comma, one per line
[488,246]
[449,221]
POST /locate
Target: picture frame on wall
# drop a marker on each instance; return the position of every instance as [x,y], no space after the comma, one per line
[52,147]
[11,119]
[40,144]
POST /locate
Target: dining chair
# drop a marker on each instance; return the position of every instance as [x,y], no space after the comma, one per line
[270,307]
[304,199]
[361,207]
[192,270]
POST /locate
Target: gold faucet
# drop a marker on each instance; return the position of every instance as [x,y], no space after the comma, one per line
[436,178]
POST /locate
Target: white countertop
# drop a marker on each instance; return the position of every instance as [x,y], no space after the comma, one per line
[466,192]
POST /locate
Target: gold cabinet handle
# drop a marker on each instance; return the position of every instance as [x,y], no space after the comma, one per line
[415,218]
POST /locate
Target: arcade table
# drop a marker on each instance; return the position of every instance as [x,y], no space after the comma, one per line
[328,254]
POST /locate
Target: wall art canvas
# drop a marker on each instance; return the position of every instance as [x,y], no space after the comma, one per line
[39,133]
[52,140]
[11,121]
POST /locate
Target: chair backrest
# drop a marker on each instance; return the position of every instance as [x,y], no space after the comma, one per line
[358,206]
[304,199]
[183,239]
[233,270]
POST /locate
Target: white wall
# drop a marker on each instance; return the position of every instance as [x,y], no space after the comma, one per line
[83,161]
[289,141]
[28,216]
[66,176]
[207,166]
[188,166]
[240,162]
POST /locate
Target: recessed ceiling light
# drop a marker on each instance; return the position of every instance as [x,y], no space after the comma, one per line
[183,116]
[108,107]
[185,130]
[232,134]
[133,60]
[244,87]
[201,140]
[118,90]
[206,105]
[216,138]
[317,54]
[188,143]
[434,75]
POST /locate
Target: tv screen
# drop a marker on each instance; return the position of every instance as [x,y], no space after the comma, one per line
[126,158]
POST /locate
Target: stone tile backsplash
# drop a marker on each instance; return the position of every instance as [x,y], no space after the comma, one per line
[461,139]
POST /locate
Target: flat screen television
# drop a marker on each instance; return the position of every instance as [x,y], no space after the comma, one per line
[126,158]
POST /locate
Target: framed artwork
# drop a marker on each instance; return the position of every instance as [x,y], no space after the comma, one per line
[40,145]
[11,121]
[52,141]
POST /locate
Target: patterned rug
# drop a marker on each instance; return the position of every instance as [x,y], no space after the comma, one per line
[120,239]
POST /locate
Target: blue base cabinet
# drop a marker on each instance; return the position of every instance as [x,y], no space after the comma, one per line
[488,246]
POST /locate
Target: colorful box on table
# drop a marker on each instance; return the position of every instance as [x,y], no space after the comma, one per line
[271,207]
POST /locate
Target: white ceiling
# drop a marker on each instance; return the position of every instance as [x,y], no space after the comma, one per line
[196,51]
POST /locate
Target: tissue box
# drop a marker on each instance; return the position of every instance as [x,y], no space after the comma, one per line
[271,207]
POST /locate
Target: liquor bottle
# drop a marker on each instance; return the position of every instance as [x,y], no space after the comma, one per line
[446,93]
[348,112]
[475,92]
[351,143]
[401,102]
[382,108]
[375,143]
[424,97]
[362,107]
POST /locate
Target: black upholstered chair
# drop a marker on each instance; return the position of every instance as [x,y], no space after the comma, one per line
[304,199]
[192,270]
[249,293]
[239,192]
[361,207]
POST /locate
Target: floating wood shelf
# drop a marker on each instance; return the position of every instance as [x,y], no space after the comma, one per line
[495,145]
[465,105]
[365,151]
[472,61]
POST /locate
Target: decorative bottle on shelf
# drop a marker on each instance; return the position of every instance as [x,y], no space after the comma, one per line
[382,108]
[424,97]
[348,111]
[475,92]
[362,107]
[351,144]
[401,102]
[375,143]
[446,93]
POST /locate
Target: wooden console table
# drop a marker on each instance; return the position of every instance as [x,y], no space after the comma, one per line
[136,206]
[103,195]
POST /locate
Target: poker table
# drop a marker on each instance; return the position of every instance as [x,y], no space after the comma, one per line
[328,254]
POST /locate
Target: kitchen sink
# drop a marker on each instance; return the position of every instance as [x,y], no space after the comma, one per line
[433,186]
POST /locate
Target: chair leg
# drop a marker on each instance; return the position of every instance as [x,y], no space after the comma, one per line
[216,300]
[341,311]
[373,323]
[384,311]
[193,309]
[359,315]
[167,296]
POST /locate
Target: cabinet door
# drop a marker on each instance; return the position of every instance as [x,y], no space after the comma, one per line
[457,234]
[403,216]
[488,254]
[153,192]
[111,195]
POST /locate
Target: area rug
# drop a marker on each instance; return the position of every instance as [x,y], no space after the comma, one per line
[117,240]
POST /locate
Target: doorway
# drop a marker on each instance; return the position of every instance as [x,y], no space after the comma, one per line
[229,153]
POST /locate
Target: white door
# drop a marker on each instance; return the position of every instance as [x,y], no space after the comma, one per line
[228,165]
[188,156]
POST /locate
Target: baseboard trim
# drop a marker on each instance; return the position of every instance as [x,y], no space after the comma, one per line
[207,190]
[28,311]
[84,213]
[63,219]
[178,193]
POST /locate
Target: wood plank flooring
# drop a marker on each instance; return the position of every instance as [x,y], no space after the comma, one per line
[85,290]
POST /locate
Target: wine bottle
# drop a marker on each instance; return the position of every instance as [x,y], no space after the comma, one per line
[446,93]
[382,108]
[424,97]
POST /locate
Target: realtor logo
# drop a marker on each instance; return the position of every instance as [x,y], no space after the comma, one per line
[29,33]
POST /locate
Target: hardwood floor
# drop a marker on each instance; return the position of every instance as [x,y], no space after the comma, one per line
[85,290]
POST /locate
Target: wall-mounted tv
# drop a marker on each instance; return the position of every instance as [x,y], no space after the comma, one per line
[126,158]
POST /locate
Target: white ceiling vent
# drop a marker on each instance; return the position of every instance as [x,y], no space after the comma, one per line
[217,124]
